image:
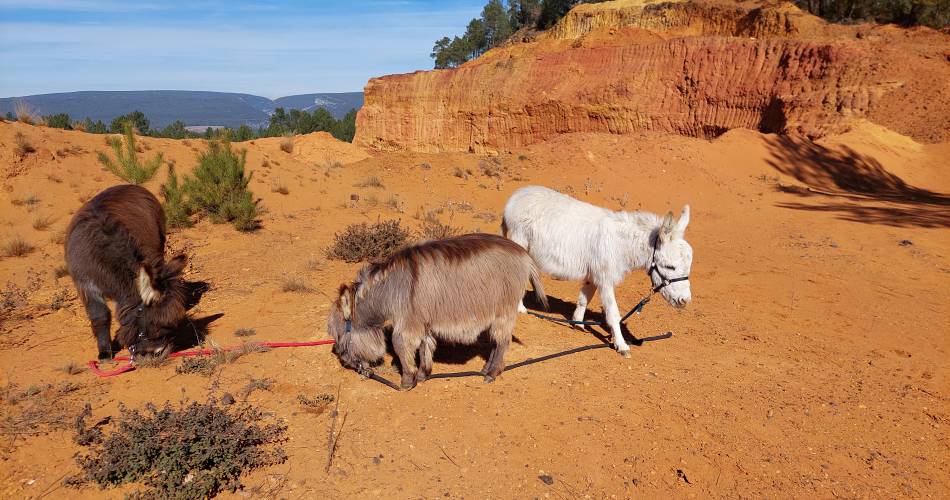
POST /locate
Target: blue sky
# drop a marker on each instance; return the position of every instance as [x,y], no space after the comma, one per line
[271,49]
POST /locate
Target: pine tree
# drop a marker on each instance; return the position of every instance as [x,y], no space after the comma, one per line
[126,164]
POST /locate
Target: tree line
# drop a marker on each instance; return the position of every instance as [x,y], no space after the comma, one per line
[496,24]
[281,123]
[499,21]
[933,13]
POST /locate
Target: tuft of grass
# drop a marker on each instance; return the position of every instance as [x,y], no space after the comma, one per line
[206,365]
[192,450]
[373,182]
[28,201]
[316,263]
[292,284]
[461,174]
[433,229]
[16,247]
[245,332]
[59,237]
[317,404]
[60,271]
[277,186]
[25,114]
[395,203]
[22,146]
[42,222]
[71,368]
[257,384]
[126,164]
[59,299]
[287,144]
[363,242]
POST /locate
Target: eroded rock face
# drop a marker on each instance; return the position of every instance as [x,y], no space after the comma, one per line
[690,68]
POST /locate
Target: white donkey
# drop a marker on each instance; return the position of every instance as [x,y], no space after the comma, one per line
[573,240]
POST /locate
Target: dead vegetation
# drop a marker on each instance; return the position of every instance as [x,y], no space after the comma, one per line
[35,410]
[317,404]
[257,384]
[16,247]
[278,186]
[294,284]
[365,242]
[29,201]
[245,332]
[190,450]
[22,145]
[433,229]
[42,222]
[370,182]
[287,144]
[207,365]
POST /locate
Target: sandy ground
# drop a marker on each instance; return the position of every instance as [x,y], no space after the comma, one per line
[812,361]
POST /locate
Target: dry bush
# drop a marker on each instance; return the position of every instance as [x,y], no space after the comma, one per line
[22,146]
[192,450]
[16,247]
[461,174]
[33,411]
[294,284]
[317,404]
[436,230]
[24,113]
[60,299]
[316,263]
[363,242]
[28,201]
[72,368]
[59,237]
[60,271]
[287,144]
[373,182]
[257,384]
[395,203]
[278,186]
[245,332]
[206,365]
[490,168]
[54,178]
[42,222]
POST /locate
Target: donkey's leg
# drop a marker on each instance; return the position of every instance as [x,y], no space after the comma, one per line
[101,320]
[613,319]
[500,333]
[584,298]
[406,344]
[426,349]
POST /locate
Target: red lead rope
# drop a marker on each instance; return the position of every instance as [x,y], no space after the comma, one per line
[94,365]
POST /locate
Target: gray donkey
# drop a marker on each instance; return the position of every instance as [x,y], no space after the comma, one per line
[451,289]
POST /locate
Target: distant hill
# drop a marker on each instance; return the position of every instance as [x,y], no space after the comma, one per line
[195,108]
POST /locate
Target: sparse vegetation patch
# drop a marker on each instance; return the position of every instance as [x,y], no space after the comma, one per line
[190,450]
[126,164]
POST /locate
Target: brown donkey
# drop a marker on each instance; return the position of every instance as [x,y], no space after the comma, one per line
[115,250]
[451,289]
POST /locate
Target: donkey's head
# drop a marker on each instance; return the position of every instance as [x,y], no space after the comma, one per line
[672,259]
[358,345]
[148,329]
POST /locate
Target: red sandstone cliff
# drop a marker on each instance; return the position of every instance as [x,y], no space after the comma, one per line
[695,68]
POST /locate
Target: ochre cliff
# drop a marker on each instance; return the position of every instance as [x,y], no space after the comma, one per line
[695,68]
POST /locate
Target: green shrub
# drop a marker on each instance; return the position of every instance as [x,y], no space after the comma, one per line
[60,120]
[126,165]
[217,189]
[177,213]
[190,450]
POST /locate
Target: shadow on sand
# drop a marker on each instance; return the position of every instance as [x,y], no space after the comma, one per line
[854,186]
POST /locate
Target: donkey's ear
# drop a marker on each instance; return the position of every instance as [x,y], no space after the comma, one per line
[143,284]
[666,228]
[174,267]
[683,221]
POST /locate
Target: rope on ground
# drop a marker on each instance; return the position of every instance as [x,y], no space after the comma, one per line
[94,365]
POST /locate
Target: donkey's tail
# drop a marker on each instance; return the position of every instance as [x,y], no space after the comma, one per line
[537,285]
[504,227]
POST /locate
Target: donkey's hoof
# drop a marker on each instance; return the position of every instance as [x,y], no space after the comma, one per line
[625,354]
[408,386]
[489,379]
[105,357]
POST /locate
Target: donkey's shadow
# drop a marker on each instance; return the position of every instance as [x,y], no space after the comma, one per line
[192,331]
[563,309]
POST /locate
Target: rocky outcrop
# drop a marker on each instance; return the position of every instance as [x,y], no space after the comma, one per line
[689,68]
